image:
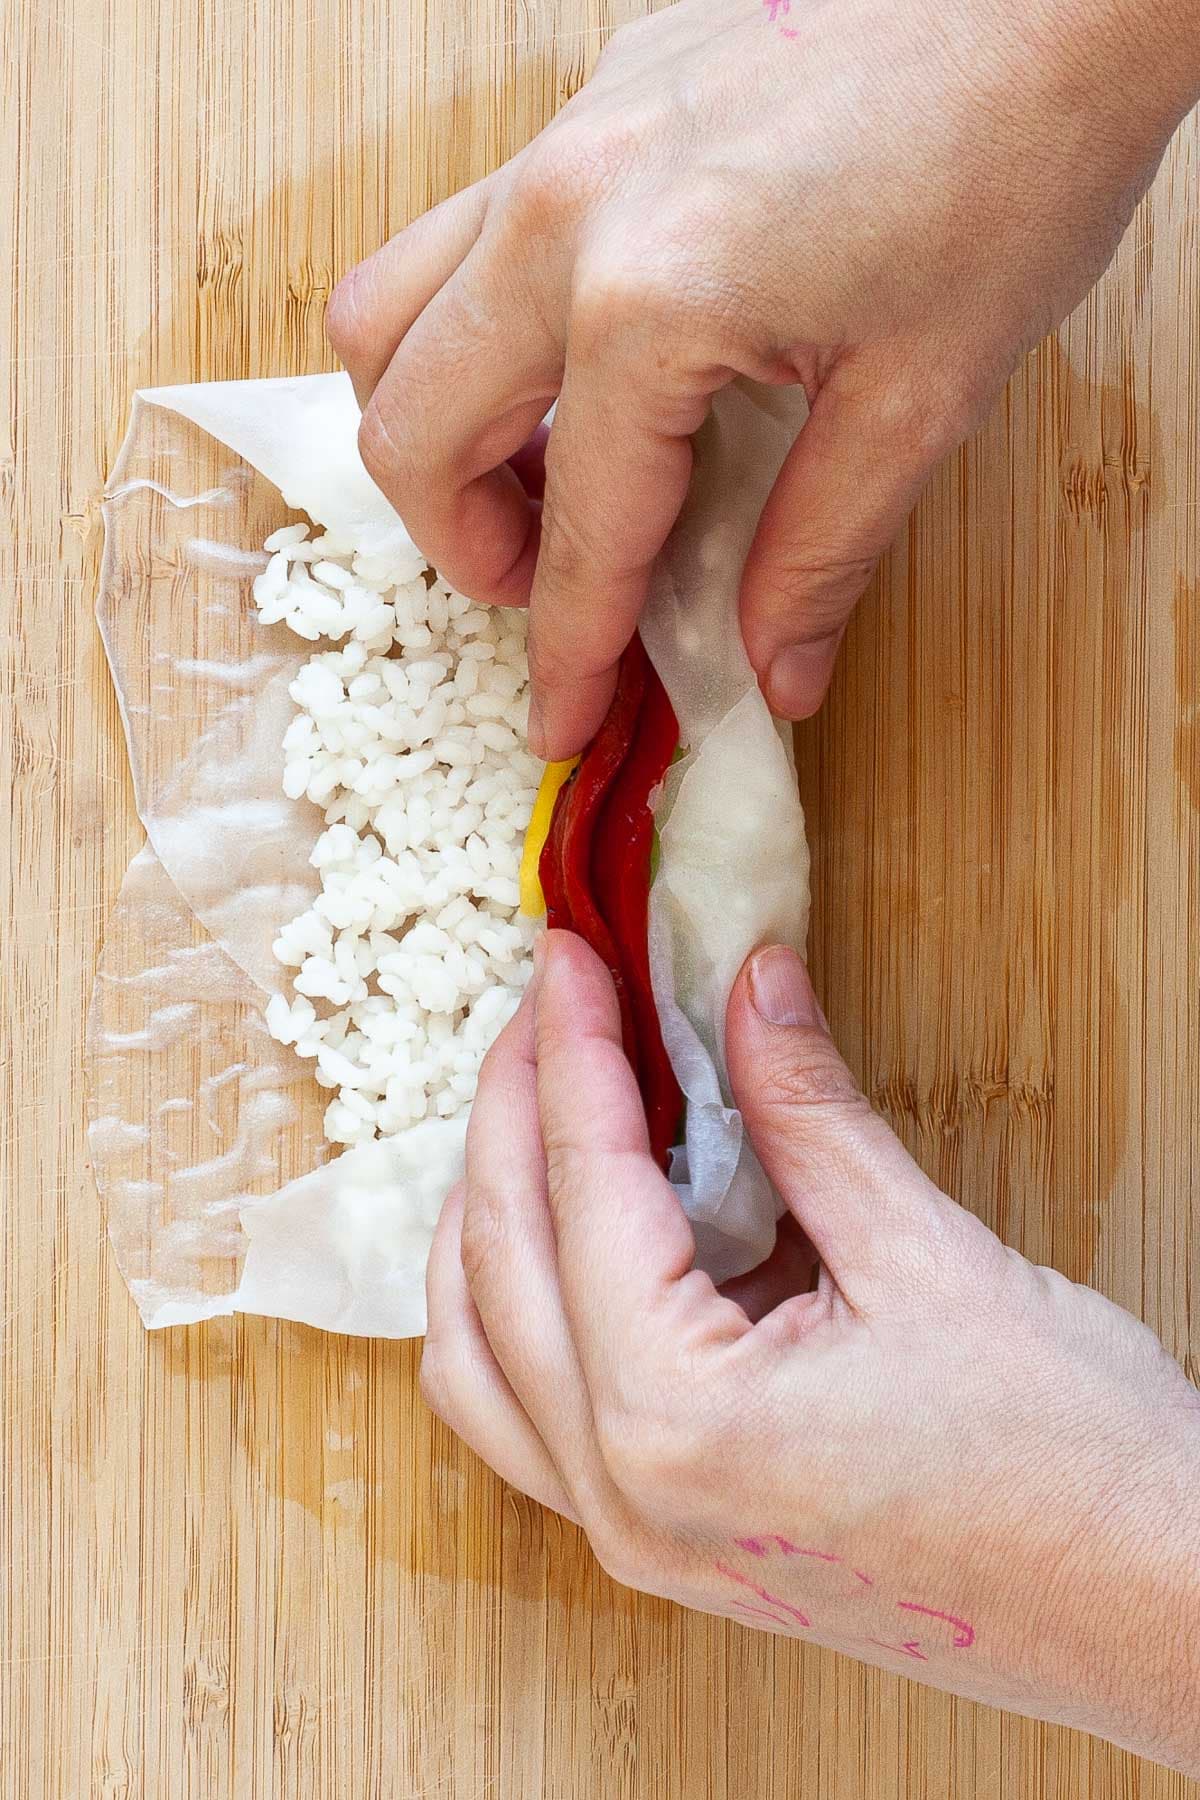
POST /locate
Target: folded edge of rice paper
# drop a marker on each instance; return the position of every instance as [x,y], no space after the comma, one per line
[342,1242]
[301,433]
[734,868]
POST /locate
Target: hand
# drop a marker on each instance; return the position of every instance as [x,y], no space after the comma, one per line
[885,200]
[939,1458]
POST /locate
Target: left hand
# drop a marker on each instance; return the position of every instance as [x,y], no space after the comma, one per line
[938,1458]
[884,200]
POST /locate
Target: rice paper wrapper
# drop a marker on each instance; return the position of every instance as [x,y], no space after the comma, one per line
[221,1192]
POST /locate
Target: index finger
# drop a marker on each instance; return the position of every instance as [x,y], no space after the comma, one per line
[625,1247]
[377,303]
[618,465]
[467,386]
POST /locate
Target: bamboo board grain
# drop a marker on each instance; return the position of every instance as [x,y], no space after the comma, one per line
[242,1561]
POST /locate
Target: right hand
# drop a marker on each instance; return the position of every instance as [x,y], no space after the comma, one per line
[938,1458]
[884,200]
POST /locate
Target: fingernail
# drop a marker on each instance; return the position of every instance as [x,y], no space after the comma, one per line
[537,728]
[780,989]
[799,675]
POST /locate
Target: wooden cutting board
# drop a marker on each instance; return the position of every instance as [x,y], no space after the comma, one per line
[242,1561]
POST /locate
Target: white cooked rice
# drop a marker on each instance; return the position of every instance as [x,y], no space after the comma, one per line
[410,735]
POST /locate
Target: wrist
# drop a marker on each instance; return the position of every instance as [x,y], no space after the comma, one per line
[1136,1566]
[1163,1601]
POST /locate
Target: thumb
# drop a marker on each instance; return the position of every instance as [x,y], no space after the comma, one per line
[845,1177]
[846,487]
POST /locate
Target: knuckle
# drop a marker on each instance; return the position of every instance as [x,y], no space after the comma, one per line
[347,318]
[826,586]
[483,1231]
[607,295]
[813,1075]
[551,661]
[584,543]
[566,1168]
[663,316]
[549,665]
[434,1381]
[954,400]
[563,554]
[934,425]
[650,1457]
[592,150]
[555,179]
[576,163]
[925,417]
[578,641]
[382,452]
[634,1459]
[622,1555]
[570,558]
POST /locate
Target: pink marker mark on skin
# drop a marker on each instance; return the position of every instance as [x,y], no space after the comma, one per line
[866,1580]
[964,1634]
[755,1546]
[773,8]
[760,1612]
[787,32]
[793,1612]
[790,1549]
[912,1648]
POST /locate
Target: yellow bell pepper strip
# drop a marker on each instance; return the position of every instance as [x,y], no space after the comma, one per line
[533,901]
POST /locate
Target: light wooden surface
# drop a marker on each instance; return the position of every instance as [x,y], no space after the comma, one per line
[241,1561]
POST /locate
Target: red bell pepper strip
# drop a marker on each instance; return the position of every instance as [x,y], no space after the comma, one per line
[595,870]
[565,868]
[621,852]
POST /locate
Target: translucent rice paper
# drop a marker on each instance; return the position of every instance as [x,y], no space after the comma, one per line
[221,1192]
[734,868]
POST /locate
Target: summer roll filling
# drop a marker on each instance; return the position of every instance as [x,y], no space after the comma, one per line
[594,843]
